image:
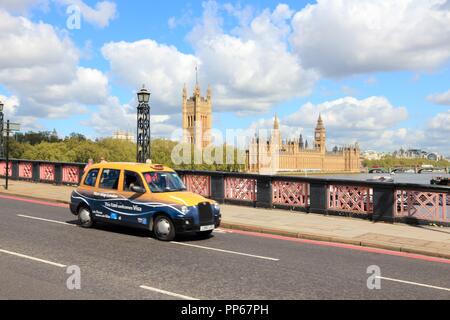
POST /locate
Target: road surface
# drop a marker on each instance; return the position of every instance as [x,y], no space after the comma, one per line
[38,242]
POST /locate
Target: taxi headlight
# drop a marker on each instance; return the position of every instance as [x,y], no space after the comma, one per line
[216,207]
[184,209]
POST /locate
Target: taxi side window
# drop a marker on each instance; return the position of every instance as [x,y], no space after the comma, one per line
[91,178]
[110,179]
[132,178]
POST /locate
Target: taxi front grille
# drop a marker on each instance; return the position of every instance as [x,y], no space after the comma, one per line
[205,213]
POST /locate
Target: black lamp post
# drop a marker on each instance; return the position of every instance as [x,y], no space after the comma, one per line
[143,126]
[2,147]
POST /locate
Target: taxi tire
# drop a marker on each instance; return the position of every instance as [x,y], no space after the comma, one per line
[85,224]
[164,219]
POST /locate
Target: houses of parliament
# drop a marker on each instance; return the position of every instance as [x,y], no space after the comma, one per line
[273,155]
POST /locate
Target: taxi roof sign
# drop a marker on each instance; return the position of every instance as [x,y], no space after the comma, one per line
[157,167]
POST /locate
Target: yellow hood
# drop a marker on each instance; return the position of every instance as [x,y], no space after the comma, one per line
[179,198]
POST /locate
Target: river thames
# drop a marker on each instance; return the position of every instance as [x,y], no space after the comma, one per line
[398,178]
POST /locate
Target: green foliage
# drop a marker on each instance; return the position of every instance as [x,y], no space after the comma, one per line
[391,162]
[35,138]
[76,148]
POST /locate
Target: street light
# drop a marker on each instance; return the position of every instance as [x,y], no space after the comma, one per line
[143,126]
[143,95]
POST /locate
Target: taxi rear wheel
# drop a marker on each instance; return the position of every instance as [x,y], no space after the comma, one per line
[164,229]
[85,217]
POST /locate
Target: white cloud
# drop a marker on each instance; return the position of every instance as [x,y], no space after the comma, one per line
[373,122]
[253,68]
[162,68]
[185,20]
[371,114]
[437,133]
[249,70]
[341,38]
[10,105]
[41,68]
[113,116]
[348,120]
[100,15]
[440,98]
[22,6]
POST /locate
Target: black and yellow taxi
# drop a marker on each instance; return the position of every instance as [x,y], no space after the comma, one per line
[144,196]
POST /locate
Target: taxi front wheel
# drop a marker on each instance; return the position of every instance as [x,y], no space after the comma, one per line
[164,229]
[85,217]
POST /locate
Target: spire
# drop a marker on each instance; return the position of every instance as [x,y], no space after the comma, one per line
[197,85]
[301,143]
[320,121]
[196,75]
[184,91]
[209,93]
[276,123]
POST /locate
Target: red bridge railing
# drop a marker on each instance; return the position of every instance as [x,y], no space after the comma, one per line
[379,201]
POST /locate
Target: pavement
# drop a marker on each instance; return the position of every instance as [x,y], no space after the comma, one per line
[42,250]
[422,240]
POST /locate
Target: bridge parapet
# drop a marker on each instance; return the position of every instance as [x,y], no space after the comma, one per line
[377,201]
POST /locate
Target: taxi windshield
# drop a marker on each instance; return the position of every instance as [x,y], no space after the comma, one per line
[164,182]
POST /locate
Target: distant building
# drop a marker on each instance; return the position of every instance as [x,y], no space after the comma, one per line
[416,154]
[123,135]
[433,157]
[276,156]
[372,155]
[197,118]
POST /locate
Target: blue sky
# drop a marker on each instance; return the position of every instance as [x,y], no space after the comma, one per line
[378,71]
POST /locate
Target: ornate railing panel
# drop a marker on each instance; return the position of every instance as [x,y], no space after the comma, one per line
[366,199]
[70,174]
[198,184]
[3,169]
[292,194]
[351,199]
[47,172]
[25,170]
[431,206]
[240,189]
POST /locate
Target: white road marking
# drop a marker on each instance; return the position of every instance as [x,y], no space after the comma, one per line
[172,294]
[33,258]
[46,220]
[414,283]
[225,251]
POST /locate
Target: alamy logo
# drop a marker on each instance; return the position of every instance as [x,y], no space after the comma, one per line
[74,280]
[74,20]
[374,280]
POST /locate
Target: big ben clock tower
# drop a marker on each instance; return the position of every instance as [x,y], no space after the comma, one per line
[320,136]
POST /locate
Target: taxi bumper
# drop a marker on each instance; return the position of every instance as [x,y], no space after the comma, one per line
[187,225]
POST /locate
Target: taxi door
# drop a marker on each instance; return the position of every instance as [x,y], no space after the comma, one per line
[107,196]
[136,213]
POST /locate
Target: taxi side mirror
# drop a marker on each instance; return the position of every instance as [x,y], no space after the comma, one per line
[137,189]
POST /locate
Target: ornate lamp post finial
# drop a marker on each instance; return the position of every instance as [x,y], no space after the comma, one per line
[143,126]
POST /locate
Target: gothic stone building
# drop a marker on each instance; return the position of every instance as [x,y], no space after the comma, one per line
[197,118]
[270,157]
